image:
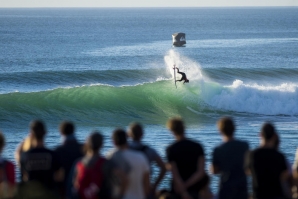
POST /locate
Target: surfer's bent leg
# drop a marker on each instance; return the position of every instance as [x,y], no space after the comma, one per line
[180,80]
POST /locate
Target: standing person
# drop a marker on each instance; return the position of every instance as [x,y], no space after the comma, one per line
[88,173]
[136,133]
[39,164]
[134,164]
[228,161]
[267,166]
[69,151]
[187,163]
[7,174]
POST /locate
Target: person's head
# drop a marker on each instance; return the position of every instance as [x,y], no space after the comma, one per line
[67,128]
[135,131]
[226,126]
[119,138]
[94,142]
[38,130]
[176,125]
[2,141]
[268,133]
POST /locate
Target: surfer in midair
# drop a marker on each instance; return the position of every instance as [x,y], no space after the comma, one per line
[183,76]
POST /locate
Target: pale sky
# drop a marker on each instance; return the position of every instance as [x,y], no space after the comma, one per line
[145,3]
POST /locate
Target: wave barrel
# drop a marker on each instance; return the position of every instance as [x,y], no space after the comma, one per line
[178,39]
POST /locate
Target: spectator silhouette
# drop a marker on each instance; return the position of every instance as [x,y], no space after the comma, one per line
[134,164]
[136,133]
[69,151]
[187,163]
[228,161]
[88,176]
[267,166]
[39,164]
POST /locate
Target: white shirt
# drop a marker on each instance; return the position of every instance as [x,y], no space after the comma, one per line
[138,167]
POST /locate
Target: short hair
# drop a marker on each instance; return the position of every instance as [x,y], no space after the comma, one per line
[67,128]
[176,125]
[2,141]
[94,141]
[268,131]
[119,137]
[136,130]
[38,129]
[226,126]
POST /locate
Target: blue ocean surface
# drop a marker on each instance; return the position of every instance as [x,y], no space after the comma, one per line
[104,68]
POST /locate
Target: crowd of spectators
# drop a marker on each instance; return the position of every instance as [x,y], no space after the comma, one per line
[79,171]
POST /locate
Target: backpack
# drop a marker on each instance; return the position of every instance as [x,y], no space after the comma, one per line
[142,148]
[89,180]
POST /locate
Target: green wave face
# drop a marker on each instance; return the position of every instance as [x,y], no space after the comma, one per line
[151,102]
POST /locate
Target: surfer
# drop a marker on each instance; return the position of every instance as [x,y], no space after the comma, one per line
[183,77]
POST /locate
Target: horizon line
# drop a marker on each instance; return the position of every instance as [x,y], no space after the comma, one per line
[95,7]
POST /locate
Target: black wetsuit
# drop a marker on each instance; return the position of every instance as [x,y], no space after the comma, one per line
[183,76]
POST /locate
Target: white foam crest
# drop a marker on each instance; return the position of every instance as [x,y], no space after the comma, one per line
[284,87]
[186,65]
[252,98]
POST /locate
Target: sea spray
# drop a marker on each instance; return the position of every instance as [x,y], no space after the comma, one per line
[191,68]
[250,98]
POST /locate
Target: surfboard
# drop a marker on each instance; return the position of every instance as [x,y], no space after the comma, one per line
[175,76]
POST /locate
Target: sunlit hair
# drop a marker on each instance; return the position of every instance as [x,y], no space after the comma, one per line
[226,126]
[176,125]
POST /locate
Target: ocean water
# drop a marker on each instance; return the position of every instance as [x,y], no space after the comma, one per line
[104,68]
